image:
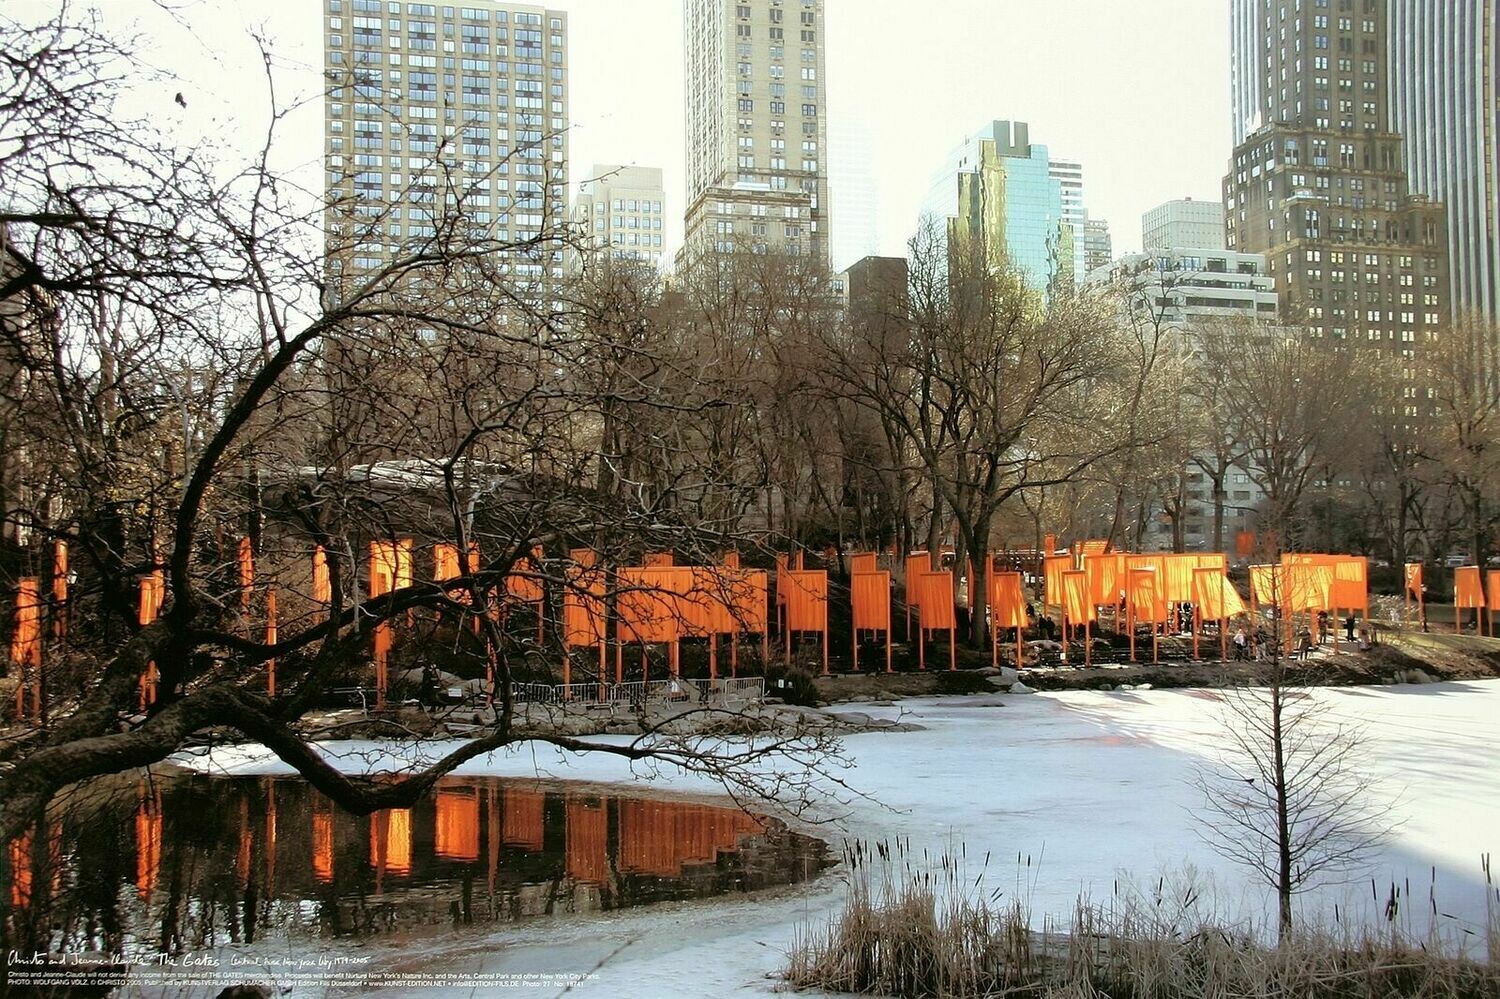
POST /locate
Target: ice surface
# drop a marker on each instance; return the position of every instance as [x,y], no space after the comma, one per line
[1087,789]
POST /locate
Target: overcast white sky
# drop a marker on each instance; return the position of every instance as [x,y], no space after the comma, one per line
[1138,90]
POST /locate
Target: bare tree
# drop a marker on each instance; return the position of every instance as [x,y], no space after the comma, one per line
[1390,451]
[994,393]
[1148,300]
[1216,451]
[207,379]
[1287,397]
[1289,796]
[1464,381]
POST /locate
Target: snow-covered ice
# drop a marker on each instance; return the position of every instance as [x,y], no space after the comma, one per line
[1091,788]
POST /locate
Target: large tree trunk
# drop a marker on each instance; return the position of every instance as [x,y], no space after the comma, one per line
[935,534]
[1398,546]
[1179,515]
[1219,497]
[1117,519]
[975,539]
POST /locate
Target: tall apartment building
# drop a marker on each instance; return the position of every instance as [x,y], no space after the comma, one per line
[1445,71]
[1096,247]
[757,131]
[875,299]
[1184,222]
[1320,186]
[620,210]
[1190,289]
[1092,246]
[433,110]
[997,196]
[1069,174]
[1246,75]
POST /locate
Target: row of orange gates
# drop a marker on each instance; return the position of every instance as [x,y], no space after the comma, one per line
[660,604]
[1469,593]
[1149,589]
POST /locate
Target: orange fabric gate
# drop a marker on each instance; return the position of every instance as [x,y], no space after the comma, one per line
[1145,603]
[807,608]
[748,611]
[935,612]
[1078,610]
[584,611]
[1468,594]
[649,613]
[870,600]
[1414,590]
[1007,610]
[153,592]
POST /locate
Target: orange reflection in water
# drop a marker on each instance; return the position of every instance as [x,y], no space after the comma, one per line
[148,837]
[390,841]
[521,819]
[588,841]
[659,838]
[242,857]
[457,835]
[20,871]
[322,837]
[270,834]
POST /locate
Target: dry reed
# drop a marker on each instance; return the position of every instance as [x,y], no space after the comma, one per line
[923,926]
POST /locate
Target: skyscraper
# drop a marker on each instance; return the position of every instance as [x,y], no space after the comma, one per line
[1246,76]
[996,196]
[1320,186]
[434,110]
[620,209]
[1184,223]
[756,127]
[1098,247]
[1445,71]
[1069,174]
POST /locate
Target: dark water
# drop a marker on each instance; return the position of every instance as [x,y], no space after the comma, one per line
[195,862]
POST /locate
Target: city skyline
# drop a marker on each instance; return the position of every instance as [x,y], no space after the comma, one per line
[466,462]
[625,56]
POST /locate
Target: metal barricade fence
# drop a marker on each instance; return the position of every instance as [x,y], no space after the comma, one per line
[680,690]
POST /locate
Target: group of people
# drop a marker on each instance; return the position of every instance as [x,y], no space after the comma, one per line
[1254,646]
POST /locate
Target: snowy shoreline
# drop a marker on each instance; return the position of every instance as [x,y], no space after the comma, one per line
[1069,794]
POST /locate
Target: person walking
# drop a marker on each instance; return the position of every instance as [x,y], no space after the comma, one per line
[428,693]
[1241,643]
[1323,629]
[1349,624]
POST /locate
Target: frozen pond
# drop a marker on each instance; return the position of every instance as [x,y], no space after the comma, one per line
[1088,790]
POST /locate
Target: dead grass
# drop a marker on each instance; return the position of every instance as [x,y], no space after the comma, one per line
[921,926]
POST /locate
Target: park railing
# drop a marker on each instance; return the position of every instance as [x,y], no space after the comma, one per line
[679,690]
